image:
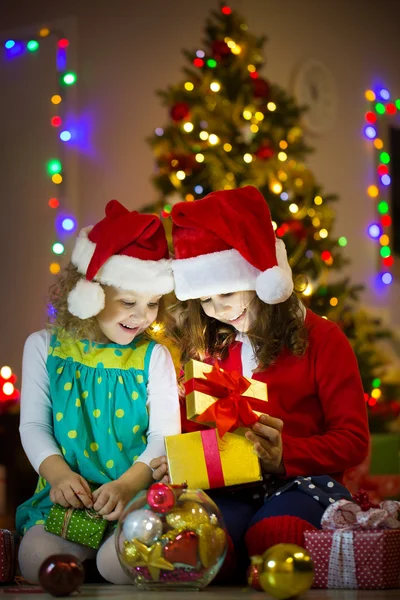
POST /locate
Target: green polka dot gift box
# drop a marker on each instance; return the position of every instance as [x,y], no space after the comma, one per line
[82,526]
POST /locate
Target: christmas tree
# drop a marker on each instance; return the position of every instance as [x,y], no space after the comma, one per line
[228,127]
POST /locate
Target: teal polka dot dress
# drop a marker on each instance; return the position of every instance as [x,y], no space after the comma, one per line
[100,418]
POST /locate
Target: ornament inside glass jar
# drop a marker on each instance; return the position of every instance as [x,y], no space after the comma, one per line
[171,537]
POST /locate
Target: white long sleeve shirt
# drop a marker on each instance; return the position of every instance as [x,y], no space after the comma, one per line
[36,422]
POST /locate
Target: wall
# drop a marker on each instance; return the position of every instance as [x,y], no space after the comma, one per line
[127,49]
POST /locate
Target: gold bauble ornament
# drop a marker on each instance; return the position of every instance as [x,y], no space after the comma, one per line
[287,571]
[189,515]
[212,543]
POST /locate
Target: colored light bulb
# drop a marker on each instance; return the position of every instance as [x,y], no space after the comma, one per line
[32,45]
[68,224]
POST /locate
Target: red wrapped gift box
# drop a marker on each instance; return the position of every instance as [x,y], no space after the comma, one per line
[367,560]
[7,555]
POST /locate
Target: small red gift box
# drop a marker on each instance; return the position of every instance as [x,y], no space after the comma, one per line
[7,555]
[367,560]
[356,548]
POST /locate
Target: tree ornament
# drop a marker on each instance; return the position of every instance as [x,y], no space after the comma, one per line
[253,573]
[265,151]
[212,543]
[142,525]
[61,574]
[220,49]
[287,571]
[183,549]
[179,111]
[190,515]
[161,498]
[261,87]
[152,558]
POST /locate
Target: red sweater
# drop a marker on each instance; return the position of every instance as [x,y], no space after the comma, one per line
[319,398]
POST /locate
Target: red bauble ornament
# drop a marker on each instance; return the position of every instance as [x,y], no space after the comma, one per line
[161,497]
[183,549]
[220,49]
[61,574]
[253,573]
[179,111]
[297,229]
[260,87]
[265,151]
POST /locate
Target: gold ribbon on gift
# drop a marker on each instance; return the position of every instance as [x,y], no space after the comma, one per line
[68,516]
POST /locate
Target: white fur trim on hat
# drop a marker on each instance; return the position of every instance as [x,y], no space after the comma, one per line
[86,300]
[275,285]
[214,273]
[125,272]
[227,271]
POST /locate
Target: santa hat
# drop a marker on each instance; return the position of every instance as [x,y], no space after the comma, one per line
[225,243]
[126,250]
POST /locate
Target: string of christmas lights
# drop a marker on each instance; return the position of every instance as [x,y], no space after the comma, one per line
[65,224]
[380,105]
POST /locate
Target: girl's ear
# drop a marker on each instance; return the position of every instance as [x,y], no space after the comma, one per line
[87,299]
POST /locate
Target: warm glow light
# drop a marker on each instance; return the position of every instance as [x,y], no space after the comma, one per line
[189,86]
[378,144]
[370,95]
[254,128]
[274,225]
[188,127]
[384,240]
[276,187]
[54,268]
[259,116]
[333,301]
[323,233]
[293,208]
[376,393]
[318,200]
[5,372]
[181,175]
[8,388]
[372,191]
[57,178]
[247,114]
[308,291]
[200,157]
[227,147]
[56,99]
[247,158]
[271,106]
[44,32]
[213,139]
[203,135]
[282,156]
[283,144]
[251,68]
[215,86]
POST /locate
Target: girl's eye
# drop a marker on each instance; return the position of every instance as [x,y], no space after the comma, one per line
[152,304]
[127,304]
[227,295]
[205,300]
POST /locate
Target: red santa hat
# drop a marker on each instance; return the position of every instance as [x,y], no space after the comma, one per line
[126,250]
[225,243]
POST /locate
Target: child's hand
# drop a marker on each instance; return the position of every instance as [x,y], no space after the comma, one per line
[111,498]
[159,466]
[267,439]
[71,490]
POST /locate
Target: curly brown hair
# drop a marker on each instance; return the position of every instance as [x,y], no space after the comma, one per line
[277,327]
[68,324]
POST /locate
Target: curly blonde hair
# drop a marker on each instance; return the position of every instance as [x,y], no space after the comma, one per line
[277,327]
[68,324]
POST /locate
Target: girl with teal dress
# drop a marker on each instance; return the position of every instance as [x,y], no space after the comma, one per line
[98,394]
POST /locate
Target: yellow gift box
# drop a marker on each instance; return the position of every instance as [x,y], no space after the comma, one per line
[204,460]
[199,399]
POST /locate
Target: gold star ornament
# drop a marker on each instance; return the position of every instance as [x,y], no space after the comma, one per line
[152,559]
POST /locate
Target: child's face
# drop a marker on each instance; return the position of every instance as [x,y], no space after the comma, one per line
[237,309]
[126,314]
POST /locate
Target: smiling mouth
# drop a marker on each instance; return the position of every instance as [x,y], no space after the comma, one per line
[236,319]
[128,327]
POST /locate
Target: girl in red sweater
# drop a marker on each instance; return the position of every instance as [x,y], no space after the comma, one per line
[243,313]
